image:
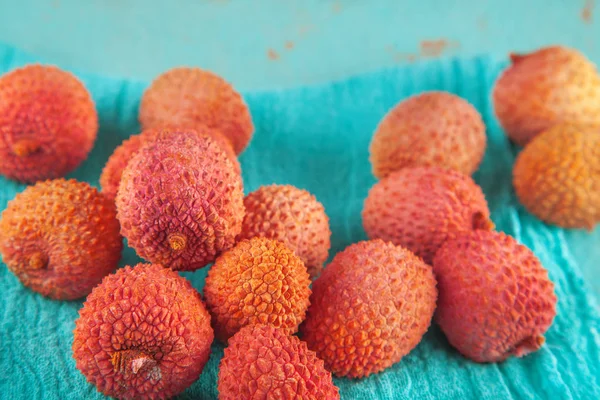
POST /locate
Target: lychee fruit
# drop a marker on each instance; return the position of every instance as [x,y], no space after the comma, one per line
[192,97]
[430,129]
[292,216]
[60,238]
[557,176]
[259,281]
[111,174]
[48,123]
[496,299]
[262,362]
[420,208]
[180,202]
[541,89]
[369,308]
[142,333]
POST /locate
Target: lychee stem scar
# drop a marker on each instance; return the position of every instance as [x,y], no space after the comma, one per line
[177,241]
[25,147]
[129,362]
[38,260]
[528,345]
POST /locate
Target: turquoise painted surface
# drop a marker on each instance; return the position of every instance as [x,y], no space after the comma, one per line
[331,39]
[317,138]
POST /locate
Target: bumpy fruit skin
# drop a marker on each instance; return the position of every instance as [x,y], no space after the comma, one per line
[432,128]
[180,202]
[557,176]
[262,362]
[496,299]
[193,97]
[420,208]
[541,89]
[259,281]
[370,307]
[113,170]
[292,216]
[142,333]
[48,123]
[60,238]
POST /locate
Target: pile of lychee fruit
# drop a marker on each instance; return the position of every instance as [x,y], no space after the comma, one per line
[175,192]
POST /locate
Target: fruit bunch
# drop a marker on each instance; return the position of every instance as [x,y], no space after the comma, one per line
[175,192]
[549,102]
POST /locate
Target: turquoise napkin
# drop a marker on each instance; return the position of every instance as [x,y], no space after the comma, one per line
[317,138]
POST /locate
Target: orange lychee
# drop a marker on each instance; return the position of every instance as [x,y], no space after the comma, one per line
[180,201]
[113,170]
[292,216]
[429,129]
[422,207]
[262,362]
[259,281]
[495,299]
[60,238]
[142,333]
[192,97]
[370,307]
[48,123]
[549,86]
[557,176]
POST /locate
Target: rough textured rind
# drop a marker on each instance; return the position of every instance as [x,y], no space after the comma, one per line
[370,307]
[292,216]
[422,207]
[541,89]
[113,170]
[48,123]
[194,98]
[60,238]
[262,362]
[430,129]
[143,333]
[259,281]
[557,176]
[180,202]
[495,299]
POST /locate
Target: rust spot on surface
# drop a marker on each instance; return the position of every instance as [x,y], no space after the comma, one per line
[405,57]
[587,11]
[337,7]
[305,29]
[289,45]
[435,48]
[272,54]
[427,49]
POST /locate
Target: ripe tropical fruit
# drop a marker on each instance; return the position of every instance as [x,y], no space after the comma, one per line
[370,307]
[60,238]
[259,281]
[496,299]
[432,128]
[113,170]
[180,202]
[422,207]
[48,123]
[263,362]
[192,97]
[292,216]
[142,333]
[549,86]
[557,176]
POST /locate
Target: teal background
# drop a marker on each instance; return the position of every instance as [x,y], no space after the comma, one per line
[358,59]
[332,39]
